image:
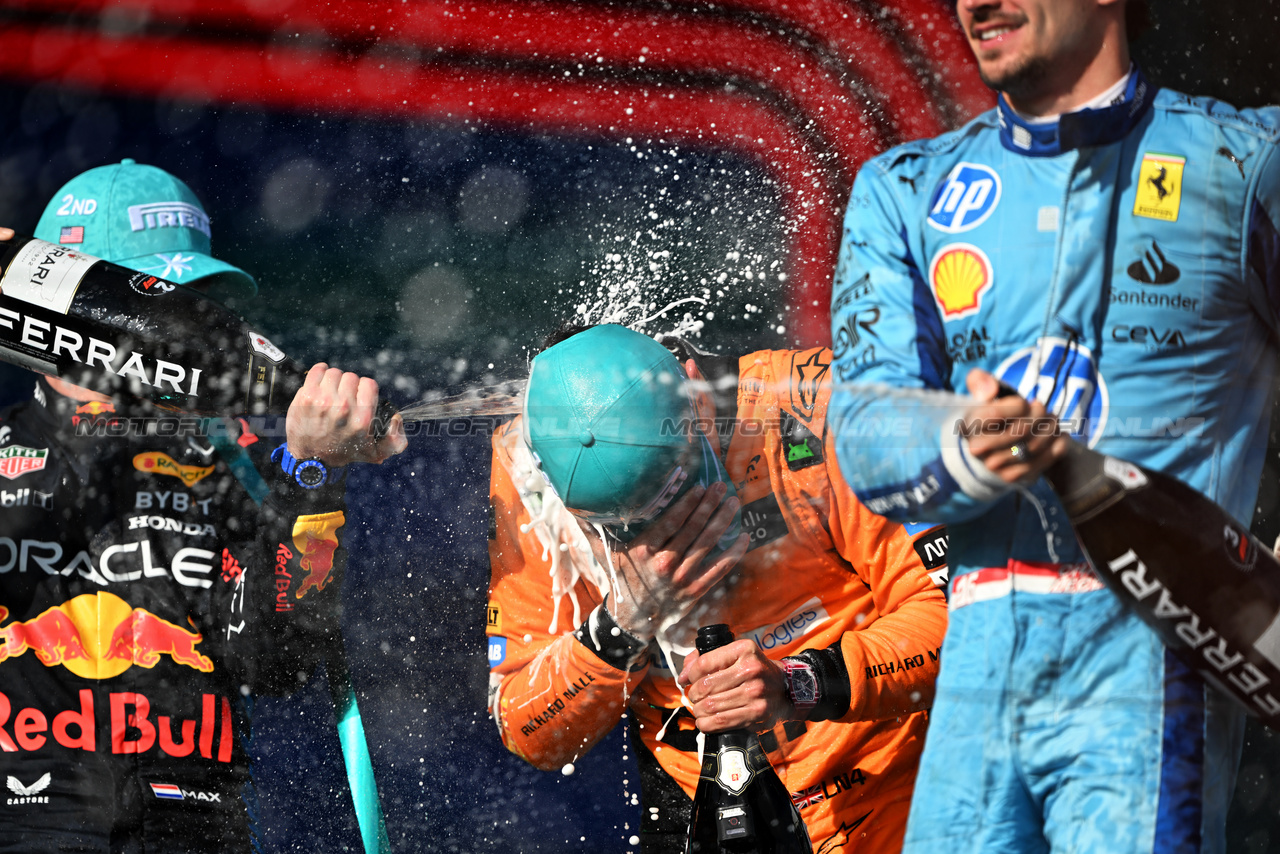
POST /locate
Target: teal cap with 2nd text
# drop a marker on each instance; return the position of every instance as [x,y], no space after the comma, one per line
[143,218]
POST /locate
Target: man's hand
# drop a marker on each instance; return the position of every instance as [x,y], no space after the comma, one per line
[736,686]
[6,233]
[664,571]
[331,418]
[1016,439]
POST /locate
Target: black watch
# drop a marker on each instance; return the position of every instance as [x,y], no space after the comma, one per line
[309,473]
[802,685]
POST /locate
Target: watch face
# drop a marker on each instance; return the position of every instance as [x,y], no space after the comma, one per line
[803,686]
[310,473]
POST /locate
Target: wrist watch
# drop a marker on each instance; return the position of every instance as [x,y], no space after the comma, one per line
[309,473]
[802,685]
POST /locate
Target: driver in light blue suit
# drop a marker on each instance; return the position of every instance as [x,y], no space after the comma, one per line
[1110,250]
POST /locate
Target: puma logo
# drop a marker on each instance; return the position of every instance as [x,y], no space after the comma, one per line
[1226,152]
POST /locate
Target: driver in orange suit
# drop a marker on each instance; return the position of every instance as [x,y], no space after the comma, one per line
[837,611]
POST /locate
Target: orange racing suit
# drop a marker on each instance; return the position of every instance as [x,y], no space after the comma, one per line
[822,573]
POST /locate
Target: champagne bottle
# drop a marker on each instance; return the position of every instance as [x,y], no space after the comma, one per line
[740,805]
[1193,573]
[105,327]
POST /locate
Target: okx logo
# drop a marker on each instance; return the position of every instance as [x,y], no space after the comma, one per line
[1063,376]
[965,199]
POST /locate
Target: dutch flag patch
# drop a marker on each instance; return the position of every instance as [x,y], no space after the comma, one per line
[166,790]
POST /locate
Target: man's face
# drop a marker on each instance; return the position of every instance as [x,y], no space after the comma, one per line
[1023,45]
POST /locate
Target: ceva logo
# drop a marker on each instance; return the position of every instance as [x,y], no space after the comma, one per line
[965,199]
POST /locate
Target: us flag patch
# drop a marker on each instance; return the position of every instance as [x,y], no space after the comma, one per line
[71,234]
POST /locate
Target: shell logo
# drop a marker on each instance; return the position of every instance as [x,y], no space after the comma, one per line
[960,274]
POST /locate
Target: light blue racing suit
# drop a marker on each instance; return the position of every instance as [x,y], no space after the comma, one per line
[1122,265]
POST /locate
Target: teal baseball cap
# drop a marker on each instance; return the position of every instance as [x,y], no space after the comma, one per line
[141,217]
[611,423]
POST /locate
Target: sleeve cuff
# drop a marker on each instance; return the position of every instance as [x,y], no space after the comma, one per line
[972,475]
[610,643]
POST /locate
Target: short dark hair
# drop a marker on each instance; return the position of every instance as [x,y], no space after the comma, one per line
[566,329]
[1137,18]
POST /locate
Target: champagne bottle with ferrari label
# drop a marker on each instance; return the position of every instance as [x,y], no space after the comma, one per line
[740,805]
[111,329]
[1193,573]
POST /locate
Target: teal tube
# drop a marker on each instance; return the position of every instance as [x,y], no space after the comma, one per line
[355,753]
[355,749]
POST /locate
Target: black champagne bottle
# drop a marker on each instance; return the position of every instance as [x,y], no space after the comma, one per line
[111,329]
[1193,573]
[740,805]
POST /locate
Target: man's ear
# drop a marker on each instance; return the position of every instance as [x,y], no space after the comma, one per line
[704,405]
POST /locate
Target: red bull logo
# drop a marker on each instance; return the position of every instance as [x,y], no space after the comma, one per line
[154,462]
[132,728]
[92,411]
[95,407]
[316,539]
[15,460]
[98,635]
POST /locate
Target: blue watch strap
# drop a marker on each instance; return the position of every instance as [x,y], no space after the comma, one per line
[309,473]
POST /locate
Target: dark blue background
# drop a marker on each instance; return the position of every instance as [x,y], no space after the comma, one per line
[331,277]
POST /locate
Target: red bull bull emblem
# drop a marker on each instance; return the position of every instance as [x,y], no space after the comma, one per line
[232,571]
[98,635]
[316,539]
[92,410]
[15,460]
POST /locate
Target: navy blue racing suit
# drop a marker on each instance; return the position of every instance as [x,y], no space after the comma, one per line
[144,597]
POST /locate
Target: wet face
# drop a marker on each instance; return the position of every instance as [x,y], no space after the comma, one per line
[1025,48]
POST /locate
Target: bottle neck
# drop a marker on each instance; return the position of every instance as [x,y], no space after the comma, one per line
[1081,481]
[713,637]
